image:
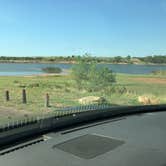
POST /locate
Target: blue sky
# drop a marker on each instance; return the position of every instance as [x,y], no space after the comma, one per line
[74,27]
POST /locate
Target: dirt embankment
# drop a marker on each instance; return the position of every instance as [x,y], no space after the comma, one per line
[151,80]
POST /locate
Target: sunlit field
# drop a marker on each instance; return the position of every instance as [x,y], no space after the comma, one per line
[63,92]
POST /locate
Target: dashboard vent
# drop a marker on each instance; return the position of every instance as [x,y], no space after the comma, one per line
[89,146]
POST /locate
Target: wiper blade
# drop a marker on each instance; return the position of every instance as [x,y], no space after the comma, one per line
[37,127]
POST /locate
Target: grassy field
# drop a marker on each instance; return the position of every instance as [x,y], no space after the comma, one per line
[63,92]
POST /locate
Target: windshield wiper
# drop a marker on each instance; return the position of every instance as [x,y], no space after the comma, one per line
[28,129]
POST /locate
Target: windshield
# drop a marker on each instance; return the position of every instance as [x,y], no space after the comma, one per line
[60,57]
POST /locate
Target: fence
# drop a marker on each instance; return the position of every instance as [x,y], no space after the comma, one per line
[46,102]
[24,97]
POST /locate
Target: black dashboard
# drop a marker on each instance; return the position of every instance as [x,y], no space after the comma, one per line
[125,141]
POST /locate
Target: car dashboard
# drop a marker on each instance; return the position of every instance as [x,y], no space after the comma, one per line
[129,140]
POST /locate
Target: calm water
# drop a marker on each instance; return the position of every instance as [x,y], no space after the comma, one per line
[13,69]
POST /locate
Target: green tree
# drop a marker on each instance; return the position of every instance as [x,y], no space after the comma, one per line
[88,75]
[117,59]
[79,72]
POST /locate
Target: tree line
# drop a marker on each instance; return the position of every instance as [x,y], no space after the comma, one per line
[155,59]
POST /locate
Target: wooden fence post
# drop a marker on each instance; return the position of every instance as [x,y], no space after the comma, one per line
[7,95]
[47,102]
[24,98]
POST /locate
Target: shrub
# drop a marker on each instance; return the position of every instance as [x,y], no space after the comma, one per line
[92,77]
[159,72]
[52,70]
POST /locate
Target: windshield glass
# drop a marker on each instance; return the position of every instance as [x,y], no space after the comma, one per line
[60,57]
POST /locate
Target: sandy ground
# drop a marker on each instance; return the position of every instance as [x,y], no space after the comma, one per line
[151,80]
[43,75]
[11,112]
[64,72]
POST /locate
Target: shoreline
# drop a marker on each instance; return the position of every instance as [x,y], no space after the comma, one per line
[64,72]
[71,63]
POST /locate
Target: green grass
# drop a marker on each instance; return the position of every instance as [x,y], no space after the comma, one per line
[63,93]
[139,88]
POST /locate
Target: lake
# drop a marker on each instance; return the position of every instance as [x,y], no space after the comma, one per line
[16,69]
